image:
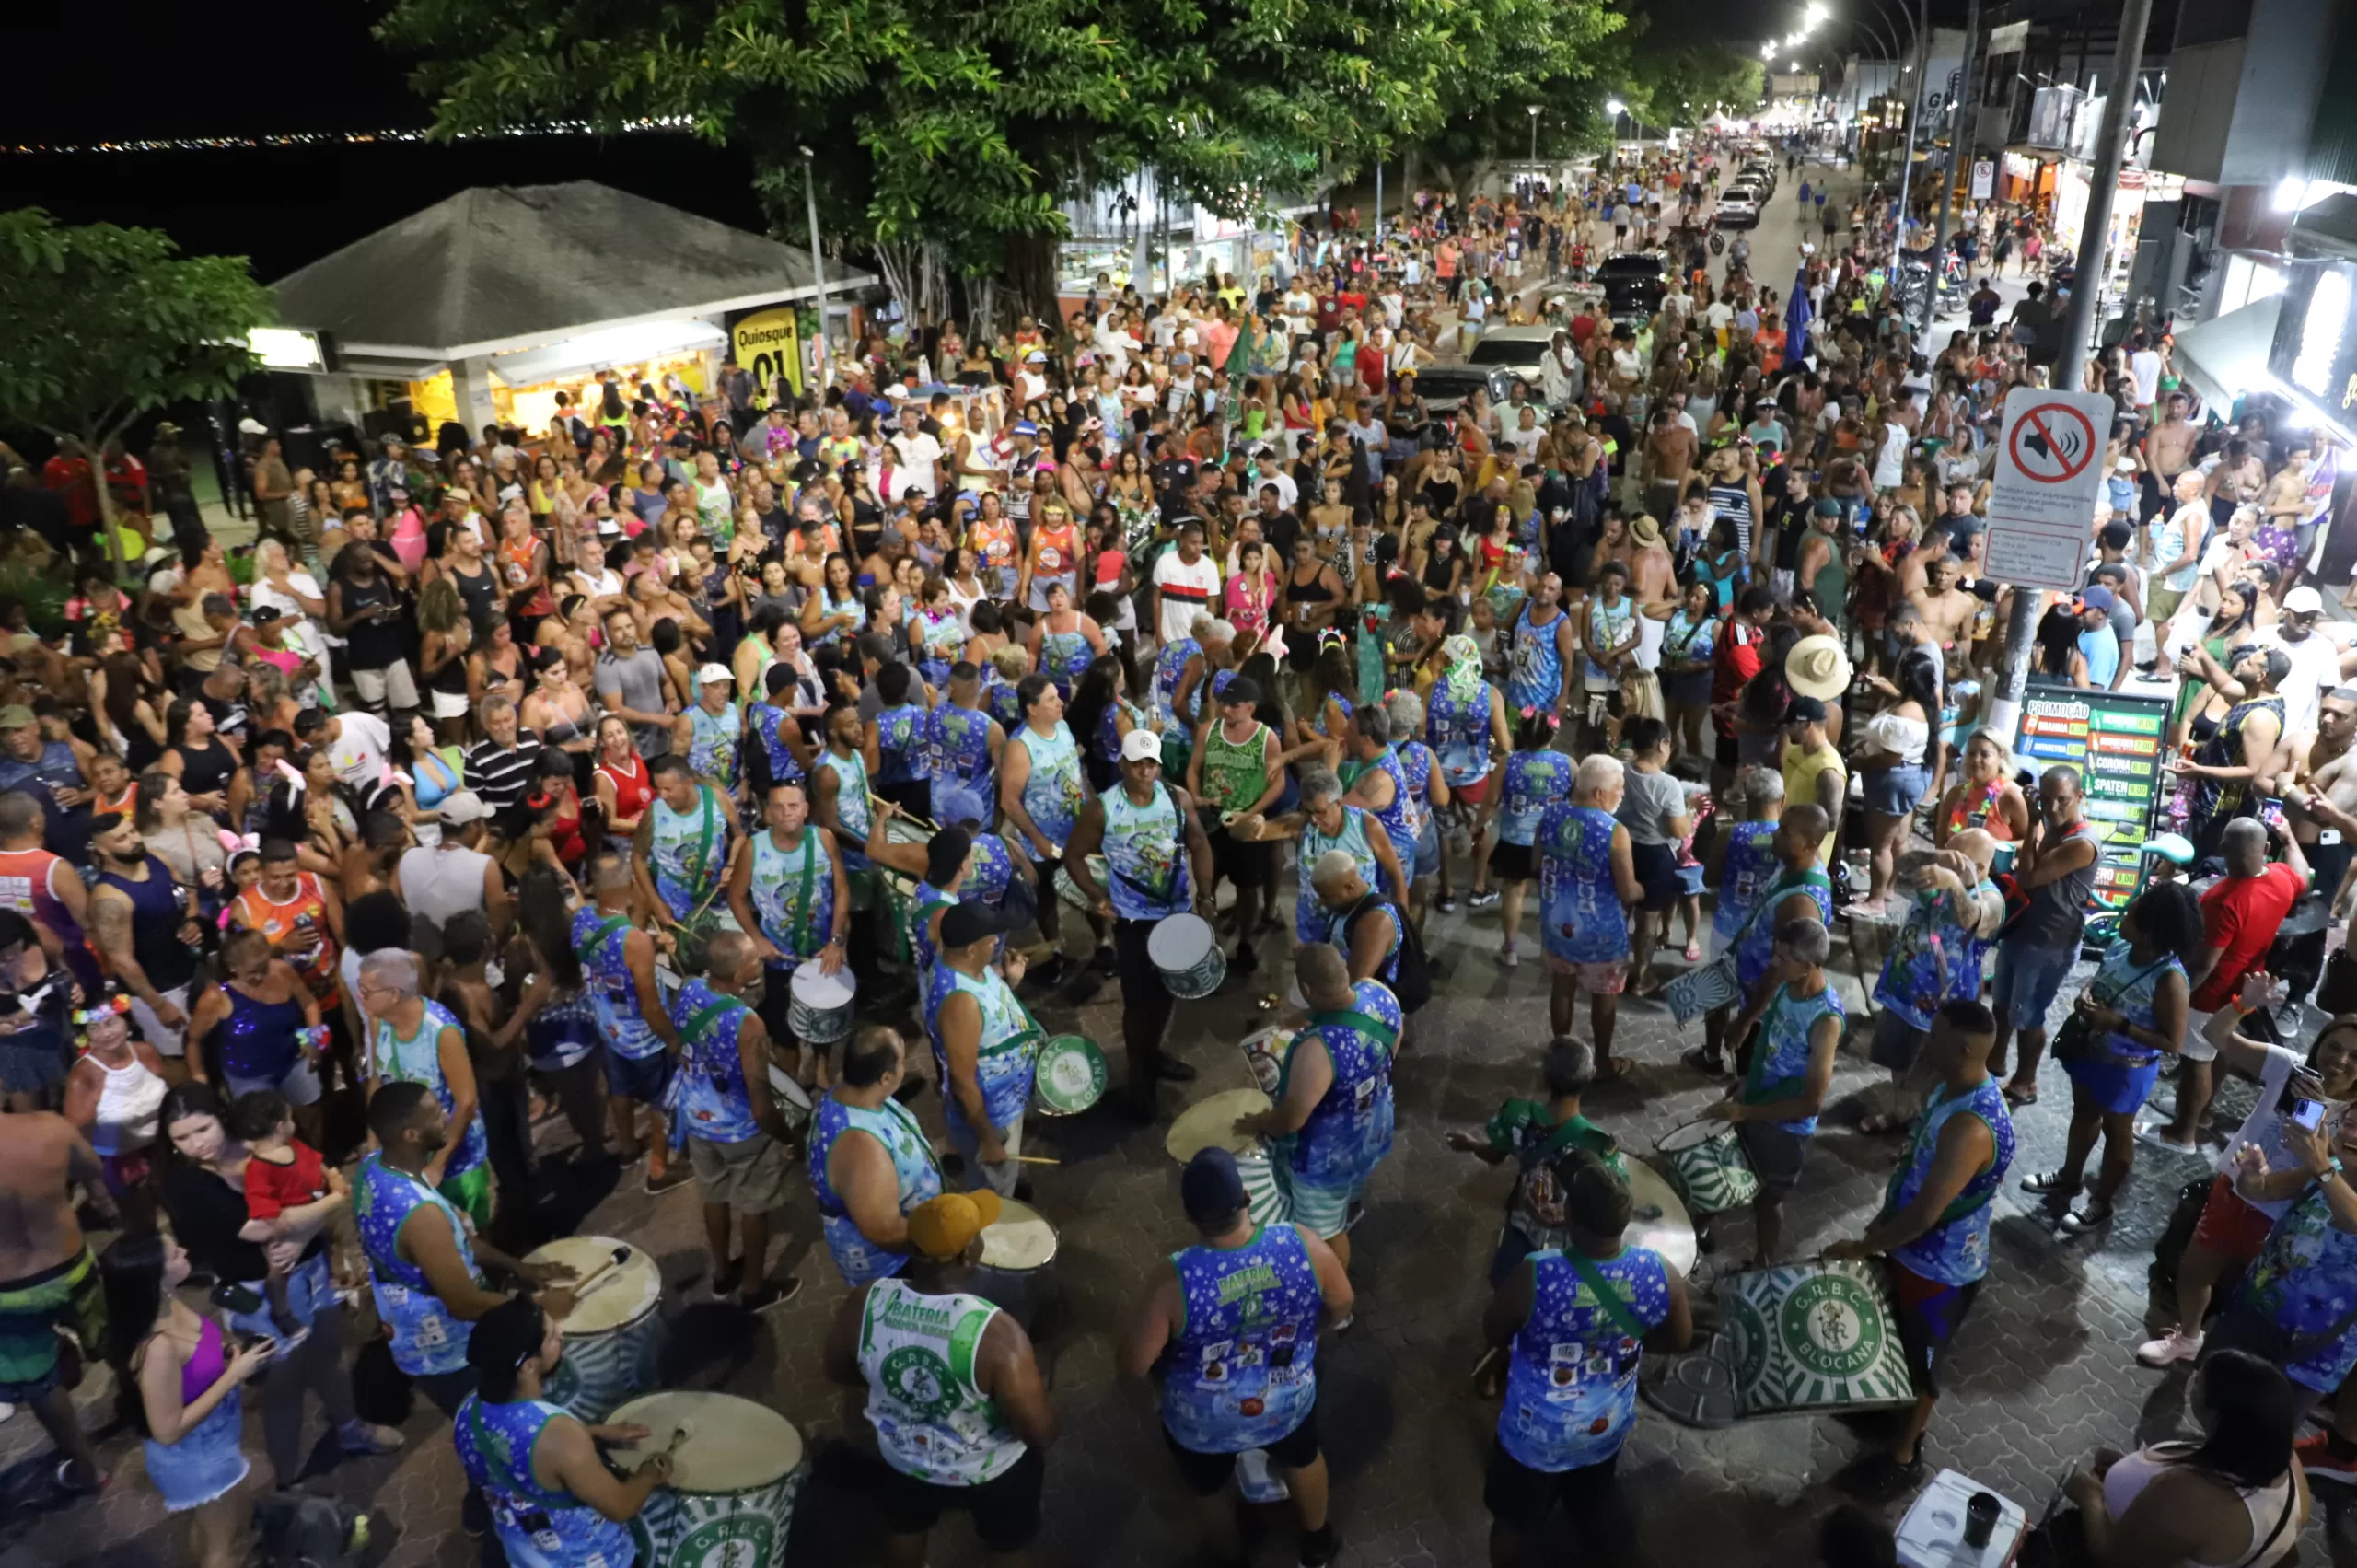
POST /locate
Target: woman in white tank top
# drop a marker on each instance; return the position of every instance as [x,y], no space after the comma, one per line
[2237,1499]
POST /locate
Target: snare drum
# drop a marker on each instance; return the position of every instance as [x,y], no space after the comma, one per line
[1211,1123]
[1069,890]
[1262,1193]
[793,1099]
[820,1011]
[1183,951]
[1707,1164]
[1264,1054]
[1070,1077]
[1814,1337]
[735,1478]
[899,897]
[1656,1219]
[1018,1258]
[613,1337]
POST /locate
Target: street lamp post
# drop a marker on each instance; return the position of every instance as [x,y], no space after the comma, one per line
[1533,139]
[817,262]
[1616,109]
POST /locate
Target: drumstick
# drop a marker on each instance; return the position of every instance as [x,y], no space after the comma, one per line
[876,799]
[597,1275]
[1034,1159]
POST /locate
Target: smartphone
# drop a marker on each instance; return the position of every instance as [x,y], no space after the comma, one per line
[237,1299]
[2271,812]
[2307,1114]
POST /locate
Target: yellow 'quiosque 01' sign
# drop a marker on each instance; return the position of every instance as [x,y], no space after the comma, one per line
[769,344]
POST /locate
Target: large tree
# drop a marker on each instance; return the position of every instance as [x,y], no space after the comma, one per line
[964,125]
[100,325]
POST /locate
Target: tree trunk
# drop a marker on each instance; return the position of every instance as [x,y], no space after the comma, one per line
[97,446]
[1030,271]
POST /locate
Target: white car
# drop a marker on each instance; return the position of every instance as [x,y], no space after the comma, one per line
[1736,210]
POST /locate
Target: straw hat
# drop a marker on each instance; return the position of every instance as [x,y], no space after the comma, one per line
[1647,531]
[1817,667]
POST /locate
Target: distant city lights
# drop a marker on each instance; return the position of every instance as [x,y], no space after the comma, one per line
[669,122]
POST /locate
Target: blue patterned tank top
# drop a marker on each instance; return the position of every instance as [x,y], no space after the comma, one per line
[1758,947]
[1064,658]
[1534,780]
[1053,792]
[1145,852]
[712,745]
[1458,730]
[539,1528]
[851,806]
[418,1060]
[2130,986]
[894,1126]
[1349,1128]
[1310,921]
[1955,1251]
[1242,1371]
[957,754]
[1010,1044]
[426,1339]
[1534,676]
[598,943]
[1571,1372]
[1580,920]
[1779,1053]
[771,725]
[1931,961]
[714,1097]
[1750,866]
[903,736]
[1169,668]
[687,850]
[794,895]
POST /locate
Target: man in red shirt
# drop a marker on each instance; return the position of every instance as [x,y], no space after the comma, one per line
[1583,326]
[68,472]
[1732,664]
[2240,915]
[1374,358]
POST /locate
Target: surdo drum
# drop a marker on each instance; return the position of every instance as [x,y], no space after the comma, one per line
[613,1336]
[735,1478]
[1814,1337]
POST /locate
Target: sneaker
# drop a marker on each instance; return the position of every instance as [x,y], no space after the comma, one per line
[1446,903]
[668,1179]
[1486,898]
[1508,959]
[2174,1346]
[2048,1184]
[775,1293]
[2322,1464]
[2089,1217]
[366,1437]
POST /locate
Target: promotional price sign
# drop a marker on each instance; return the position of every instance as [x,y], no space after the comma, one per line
[2115,740]
[2048,478]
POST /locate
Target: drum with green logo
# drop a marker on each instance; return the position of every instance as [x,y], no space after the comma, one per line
[1814,1337]
[1070,1076]
[614,1335]
[735,1477]
[1707,1164]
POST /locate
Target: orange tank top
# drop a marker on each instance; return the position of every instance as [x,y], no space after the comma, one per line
[301,918]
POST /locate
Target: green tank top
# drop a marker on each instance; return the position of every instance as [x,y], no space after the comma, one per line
[917,1353]
[1833,587]
[1234,777]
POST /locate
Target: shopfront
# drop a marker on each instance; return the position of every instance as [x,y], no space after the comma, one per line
[2313,364]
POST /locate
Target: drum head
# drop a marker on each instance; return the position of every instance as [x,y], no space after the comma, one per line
[1071,1074]
[1696,1389]
[783,1085]
[732,1445]
[900,830]
[1020,1240]
[1210,1124]
[822,992]
[627,1293]
[1657,1219]
[1178,942]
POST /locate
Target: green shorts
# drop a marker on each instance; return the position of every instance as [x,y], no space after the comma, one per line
[69,1296]
[470,1194]
[1329,1208]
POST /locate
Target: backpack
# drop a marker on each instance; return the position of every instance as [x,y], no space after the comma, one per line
[1412,984]
[299,1530]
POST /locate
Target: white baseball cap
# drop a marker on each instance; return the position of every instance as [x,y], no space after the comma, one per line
[2303,600]
[1141,746]
[712,672]
[463,807]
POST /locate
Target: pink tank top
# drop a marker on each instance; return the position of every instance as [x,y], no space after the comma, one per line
[205,1363]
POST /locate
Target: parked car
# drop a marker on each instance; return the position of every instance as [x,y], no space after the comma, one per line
[1737,210]
[1518,349]
[1633,284]
[1761,174]
[1443,386]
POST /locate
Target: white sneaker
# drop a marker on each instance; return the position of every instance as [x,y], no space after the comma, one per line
[2172,1347]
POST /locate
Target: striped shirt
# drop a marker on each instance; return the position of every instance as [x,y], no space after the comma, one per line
[501,774]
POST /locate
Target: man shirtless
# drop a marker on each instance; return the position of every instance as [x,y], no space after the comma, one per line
[2321,807]
[49,1279]
[2169,451]
[1947,609]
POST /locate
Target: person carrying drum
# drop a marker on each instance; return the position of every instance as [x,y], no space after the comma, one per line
[554,1502]
[1042,791]
[871,1163]
[954,1391]
[986,1047]
[1774,1106]
[618,963]
[1238,771]
[1798,889]
[1233,1323]
[963,746]
[1333,1123]
[1159,863]
[1934,1227]
[681,852]
[1576,1322]
[791,895]
[1587,883]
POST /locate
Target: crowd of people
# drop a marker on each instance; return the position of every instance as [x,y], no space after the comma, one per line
[536,776]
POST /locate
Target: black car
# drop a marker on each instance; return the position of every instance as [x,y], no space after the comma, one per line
[1632,285]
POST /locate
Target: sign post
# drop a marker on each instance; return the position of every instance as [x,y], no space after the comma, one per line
[1984,178]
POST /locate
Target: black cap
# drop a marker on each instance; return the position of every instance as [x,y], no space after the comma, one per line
[964,924]
[1210,1188]
[1805,710]
[944,852]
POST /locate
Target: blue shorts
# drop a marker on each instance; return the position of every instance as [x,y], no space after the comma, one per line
[1328,1206]
[2023,989]
[2116,1089]
[1427,849]
[1893,792]
[642,1078]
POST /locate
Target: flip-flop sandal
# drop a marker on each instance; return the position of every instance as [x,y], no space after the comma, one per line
[1693,952]
[72,1490]
[1611,1070]
[2019,1096]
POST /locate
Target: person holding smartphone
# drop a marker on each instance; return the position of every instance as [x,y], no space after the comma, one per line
[2314,1092]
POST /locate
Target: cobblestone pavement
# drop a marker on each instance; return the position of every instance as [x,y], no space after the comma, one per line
[2041,1375]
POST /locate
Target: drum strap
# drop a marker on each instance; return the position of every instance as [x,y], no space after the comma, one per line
[1361,1022]
[606,928]
[1605,1297]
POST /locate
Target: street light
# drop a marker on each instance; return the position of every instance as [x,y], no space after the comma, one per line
[1534,134]
[817,262]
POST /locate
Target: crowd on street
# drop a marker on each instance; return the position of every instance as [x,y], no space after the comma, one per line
[574,778]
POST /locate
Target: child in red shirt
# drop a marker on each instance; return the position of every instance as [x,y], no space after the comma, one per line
[288,1184]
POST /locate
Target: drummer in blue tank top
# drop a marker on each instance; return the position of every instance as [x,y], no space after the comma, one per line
[838,787]
[1327,821]
[1575,1323]
[1377,782]
[711,733]
[618,969]
[1797,888]
[736,1134]
[773,732]
[416,1040]
[791,895]
[897,745]
[1933,1226]
[683,846]
[1232,1327]
[1333,1119]
[1159,863]
[1588,884]
[871,1163]
[986,1047]
[554,1502]
[1042,791]
[963,746]
[1774,1106]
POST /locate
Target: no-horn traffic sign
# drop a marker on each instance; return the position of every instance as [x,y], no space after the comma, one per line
[2049,477]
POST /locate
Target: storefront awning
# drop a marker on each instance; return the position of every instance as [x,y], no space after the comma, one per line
[613,345]
[2226,356]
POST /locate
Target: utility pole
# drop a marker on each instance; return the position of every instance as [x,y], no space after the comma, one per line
[2079,324]
[1959,143]
[817,264]
[1378,200]
[1906,141]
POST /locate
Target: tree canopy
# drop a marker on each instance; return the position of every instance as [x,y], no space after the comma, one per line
[103,324]
[965,125]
